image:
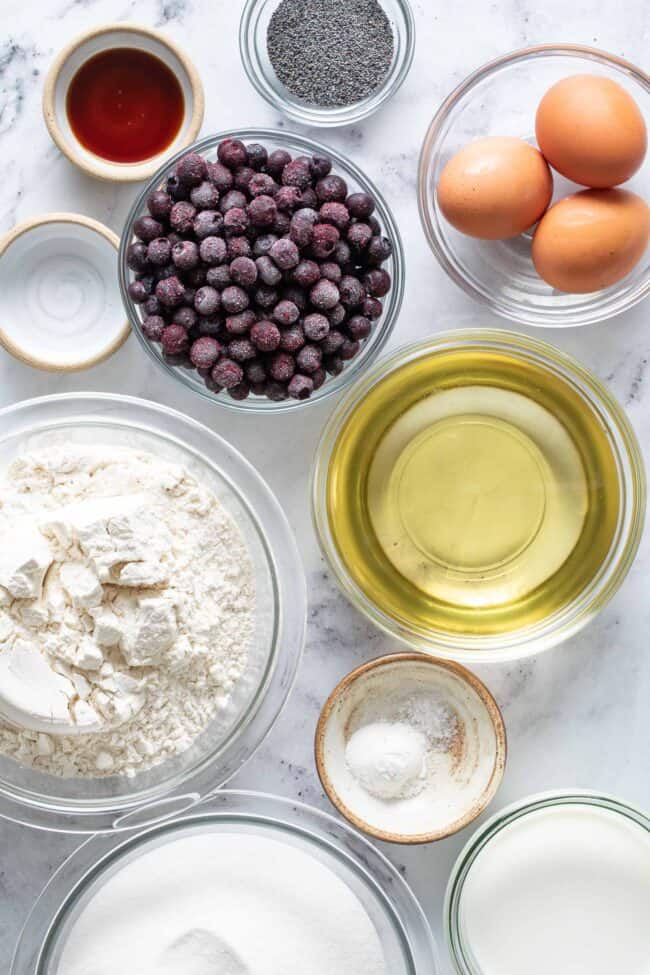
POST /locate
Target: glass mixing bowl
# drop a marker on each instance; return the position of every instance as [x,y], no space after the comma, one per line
[403,931]
[458,944]
[252,44]
[356,181]
[357,581]
[501,98]
[85,805]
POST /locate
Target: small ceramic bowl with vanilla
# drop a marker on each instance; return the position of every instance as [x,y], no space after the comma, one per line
[119,99]
[410,749]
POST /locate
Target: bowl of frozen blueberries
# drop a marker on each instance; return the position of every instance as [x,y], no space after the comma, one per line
[261,269]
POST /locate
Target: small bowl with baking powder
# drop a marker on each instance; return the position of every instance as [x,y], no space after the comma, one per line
[109,37]
[410,749]
[60,308]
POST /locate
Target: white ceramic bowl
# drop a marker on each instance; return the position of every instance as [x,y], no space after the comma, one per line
[74,55]
[61,308]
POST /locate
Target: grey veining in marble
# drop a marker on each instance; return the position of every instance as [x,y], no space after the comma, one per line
[577,716]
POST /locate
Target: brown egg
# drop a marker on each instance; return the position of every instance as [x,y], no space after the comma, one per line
[495,188]
[590,240]
[591,130]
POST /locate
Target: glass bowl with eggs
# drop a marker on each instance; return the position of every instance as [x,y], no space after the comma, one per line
[534,185]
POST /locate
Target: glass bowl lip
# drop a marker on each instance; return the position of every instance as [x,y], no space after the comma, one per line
[312,115]
[384,327]
[314,826]
[554,630]
[112,814]
[567,317]
[491,827]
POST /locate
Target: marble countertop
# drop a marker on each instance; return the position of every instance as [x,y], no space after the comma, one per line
[576,716]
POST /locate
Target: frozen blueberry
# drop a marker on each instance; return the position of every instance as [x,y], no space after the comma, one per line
[374,225]
[207,300]
[324,294]
[227,373]
[257,155]
[208,223]
[287,198]
[292,338]
[267,270]
[265,297]
[349,349]
[315,326]
[185,255]
[336,214]
[309,359]
[241,323]
[240,391]
[235,222]
[243,271]
[174,339]
[360,205]
[213,250]
[332,342]
[218,277]
[320,166]
[308,213]
[342,253]
[281,224]
[286,313]
[296,173]
[221,176]
[336,315]
[285,254]
[136,256]
[308,198]
[232,153]
[147,229]
[238,247]
[379,250]
[331,271]
[182,216]
[351,290]
[159,252]
[372,308]
[255,371]
[243,176]
[152,306]
[275,391]
[211,325]
[170,292]
[265,336]
[261,184]
[277,160]
[297,295]
[333,365]
[241,350]
[159,204]
[324,240]
[318,378]
[358,236]
[176,189]
[263,244]
[300,387]
[306,273]
[205,352]
[232,200]
[234,300]
[331,188]
[262,211]
[301,230]
[377,282]
[205,196]
[282,366]
[153,327]
[192,169]
[358,328]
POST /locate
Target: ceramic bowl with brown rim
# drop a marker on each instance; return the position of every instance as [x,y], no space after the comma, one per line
[60,306]
[94,44]
[409,748]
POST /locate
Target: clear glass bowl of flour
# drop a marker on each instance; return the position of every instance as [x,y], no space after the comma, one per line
[303,875]
[88,805]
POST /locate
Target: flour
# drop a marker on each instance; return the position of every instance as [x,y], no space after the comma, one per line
[222,902]
[126,609]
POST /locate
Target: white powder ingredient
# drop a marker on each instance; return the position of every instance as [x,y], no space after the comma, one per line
[388,759]
[126,609]
[223,903]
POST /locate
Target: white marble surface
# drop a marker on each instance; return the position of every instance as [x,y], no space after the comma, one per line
[577,716]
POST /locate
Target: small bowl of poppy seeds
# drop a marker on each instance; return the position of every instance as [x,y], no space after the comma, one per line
[261,269]
[327,62]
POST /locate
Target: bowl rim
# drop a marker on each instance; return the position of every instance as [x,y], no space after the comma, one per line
[16,350]
[500,752]
[111,814]
[383,327]
[108,171]
[547,634]
[503,818]
[316,827]
[334,116]
[426,193]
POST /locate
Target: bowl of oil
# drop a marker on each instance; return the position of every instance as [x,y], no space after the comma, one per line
[479,495]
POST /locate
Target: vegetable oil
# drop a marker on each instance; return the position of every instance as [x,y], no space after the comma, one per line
[472,490]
